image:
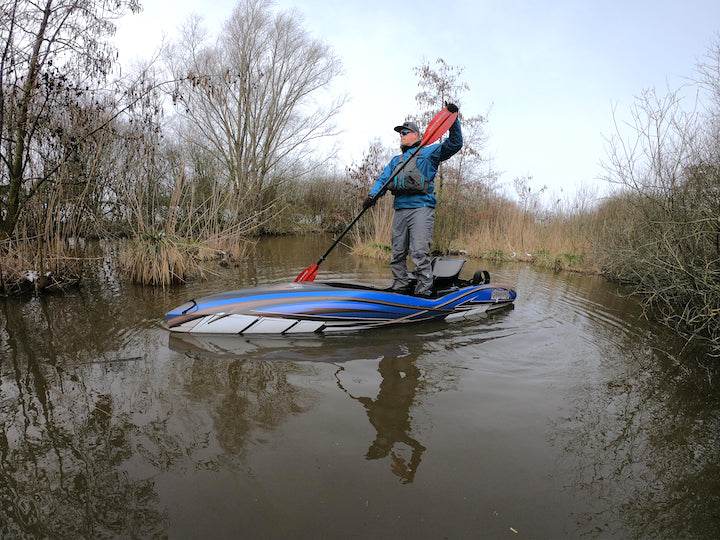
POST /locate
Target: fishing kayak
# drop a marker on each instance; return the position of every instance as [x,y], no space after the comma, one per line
[324,307]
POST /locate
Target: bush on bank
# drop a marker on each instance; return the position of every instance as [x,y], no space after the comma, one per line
[666,248]
[661,233]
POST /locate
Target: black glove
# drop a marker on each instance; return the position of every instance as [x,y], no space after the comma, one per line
[451,107]
[369,202]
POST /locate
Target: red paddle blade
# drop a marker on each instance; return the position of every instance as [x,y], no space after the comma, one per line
[438,125]
[309,274]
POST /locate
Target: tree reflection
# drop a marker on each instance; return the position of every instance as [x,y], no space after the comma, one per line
[61,448]
[259,397]
[260,389]
[81,442]
[643,442]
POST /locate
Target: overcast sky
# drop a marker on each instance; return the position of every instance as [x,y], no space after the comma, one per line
[549,72]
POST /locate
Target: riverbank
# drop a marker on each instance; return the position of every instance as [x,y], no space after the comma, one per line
[580,263]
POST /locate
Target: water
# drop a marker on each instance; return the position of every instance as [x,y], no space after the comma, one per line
[568,416]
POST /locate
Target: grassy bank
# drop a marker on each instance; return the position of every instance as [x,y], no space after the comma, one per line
[499,229]
[554,255]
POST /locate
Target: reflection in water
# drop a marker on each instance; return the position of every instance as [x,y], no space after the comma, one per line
[89,419]
[229,347]
[389,414]
[61,450]
[647,439]
[643,432]
[259,396]
[569,397]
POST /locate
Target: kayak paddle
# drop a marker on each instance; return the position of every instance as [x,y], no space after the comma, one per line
[437,126]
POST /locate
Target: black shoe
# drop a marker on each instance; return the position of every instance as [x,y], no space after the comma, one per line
[402,290]
[424,295]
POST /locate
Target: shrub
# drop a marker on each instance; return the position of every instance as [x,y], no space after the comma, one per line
[155,258]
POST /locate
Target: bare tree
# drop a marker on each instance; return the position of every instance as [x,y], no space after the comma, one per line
[438,87]
[663,232]
[254,98]
[54,52]
[469,176]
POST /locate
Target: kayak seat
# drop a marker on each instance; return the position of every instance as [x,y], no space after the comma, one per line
[442,267]
[446,273]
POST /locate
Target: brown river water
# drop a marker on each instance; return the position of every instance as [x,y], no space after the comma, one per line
[568,416]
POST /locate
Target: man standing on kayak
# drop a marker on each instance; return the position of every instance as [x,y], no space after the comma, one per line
[414,203]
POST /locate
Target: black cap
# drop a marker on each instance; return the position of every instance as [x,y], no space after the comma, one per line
[412,126]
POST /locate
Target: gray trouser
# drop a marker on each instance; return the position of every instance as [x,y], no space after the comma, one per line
[412,231]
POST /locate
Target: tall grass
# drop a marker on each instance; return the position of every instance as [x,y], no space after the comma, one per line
[159,259]
[560,238]
[374,237]
[176,229]
[46,251]
[33,265]
[493,227]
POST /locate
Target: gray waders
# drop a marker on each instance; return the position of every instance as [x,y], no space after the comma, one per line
[412,232]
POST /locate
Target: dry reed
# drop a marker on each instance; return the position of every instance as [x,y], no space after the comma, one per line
[554,242]
[498,230]
[156,259]
[33,266]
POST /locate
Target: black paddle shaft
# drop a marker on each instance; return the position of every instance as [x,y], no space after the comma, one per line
[435,130]
[379,193]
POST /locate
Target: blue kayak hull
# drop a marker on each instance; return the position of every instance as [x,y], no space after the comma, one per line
[323,307]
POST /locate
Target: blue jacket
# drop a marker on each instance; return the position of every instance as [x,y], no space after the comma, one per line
[428,161]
